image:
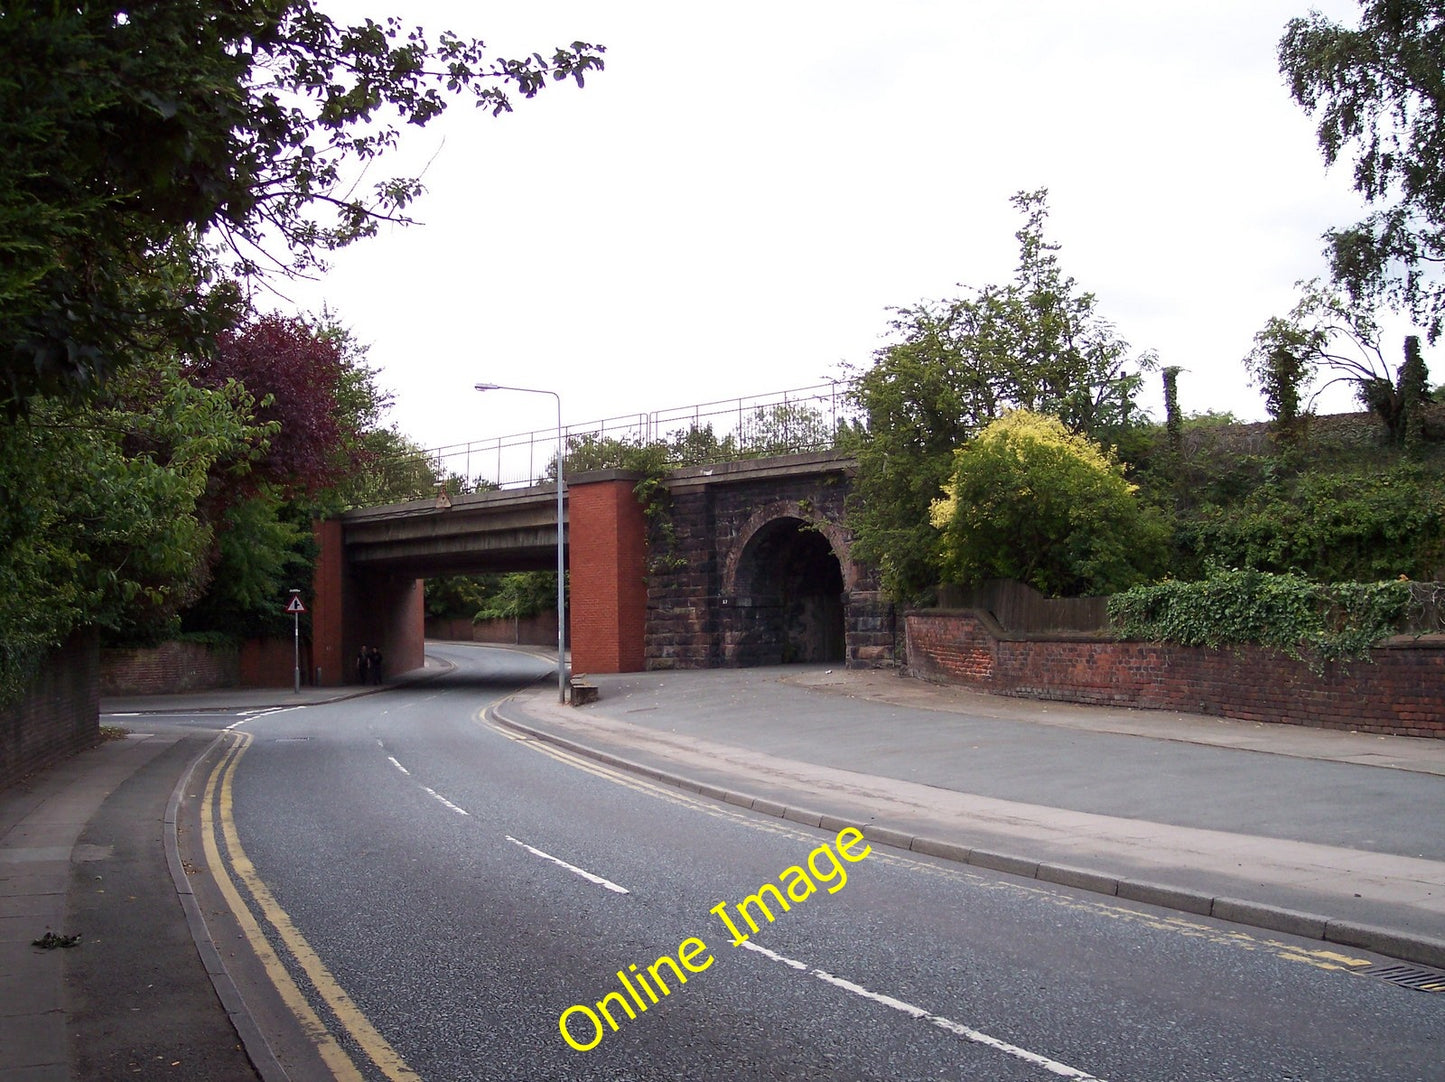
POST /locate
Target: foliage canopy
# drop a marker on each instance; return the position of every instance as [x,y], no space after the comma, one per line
[1378,92]
[155,151]
[1030,500]
[1037,343]
[1302,618]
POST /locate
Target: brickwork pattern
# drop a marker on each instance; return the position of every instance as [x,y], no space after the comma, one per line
[167,668]
[1399,692]
[538,630]
[186,666]
[59,715]
[607,566]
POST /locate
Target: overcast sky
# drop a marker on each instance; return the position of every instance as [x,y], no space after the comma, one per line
[732,207]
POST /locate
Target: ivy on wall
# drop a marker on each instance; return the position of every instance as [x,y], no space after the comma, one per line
[1309,621]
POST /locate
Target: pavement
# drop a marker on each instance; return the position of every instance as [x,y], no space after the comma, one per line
[1330,835]
[1334,836]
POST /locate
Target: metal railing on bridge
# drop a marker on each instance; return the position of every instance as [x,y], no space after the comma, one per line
[783,422]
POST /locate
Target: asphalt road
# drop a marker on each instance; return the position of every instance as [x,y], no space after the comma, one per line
[419,894]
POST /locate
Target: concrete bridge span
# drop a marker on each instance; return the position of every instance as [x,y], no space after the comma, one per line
[741,563]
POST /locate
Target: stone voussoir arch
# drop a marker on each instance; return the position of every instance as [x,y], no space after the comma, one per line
[837,536]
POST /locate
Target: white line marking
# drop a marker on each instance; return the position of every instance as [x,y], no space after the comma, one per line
[571,868]
[438,796]
[949,1026]
[403,769]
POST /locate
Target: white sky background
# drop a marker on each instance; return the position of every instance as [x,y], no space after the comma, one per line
[732,206]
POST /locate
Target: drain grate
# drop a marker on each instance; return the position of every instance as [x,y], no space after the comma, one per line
[1422,980]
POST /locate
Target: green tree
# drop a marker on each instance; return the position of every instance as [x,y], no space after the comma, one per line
[103,518]
[787,428]
[1378,91]
[1037,343]
[519,593]
[1327,332]
[155,150]
[1282,361]
[1032,501]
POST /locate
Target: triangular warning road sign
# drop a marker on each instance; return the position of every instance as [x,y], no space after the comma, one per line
[294,605]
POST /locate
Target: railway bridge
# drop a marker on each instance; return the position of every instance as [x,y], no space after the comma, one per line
[739,563]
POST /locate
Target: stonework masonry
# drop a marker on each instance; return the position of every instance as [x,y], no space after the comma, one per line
[713,601]
[1399,691]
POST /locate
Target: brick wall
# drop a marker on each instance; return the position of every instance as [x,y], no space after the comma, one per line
[167,668]
[58,716]
[1401,691]
[271,663]
[538,630]
[187,666]
[607,566]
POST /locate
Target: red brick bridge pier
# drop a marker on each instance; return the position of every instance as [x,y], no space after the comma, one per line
[739,563]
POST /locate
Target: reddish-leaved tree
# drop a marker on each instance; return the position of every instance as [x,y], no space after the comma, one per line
[295,370]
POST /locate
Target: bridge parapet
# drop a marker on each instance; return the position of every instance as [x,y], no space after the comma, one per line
[748,564]
[508,530]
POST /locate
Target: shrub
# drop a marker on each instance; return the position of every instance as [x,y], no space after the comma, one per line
[1032,501]
[1304,619]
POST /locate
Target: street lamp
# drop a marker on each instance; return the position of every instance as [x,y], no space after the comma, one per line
[561,573]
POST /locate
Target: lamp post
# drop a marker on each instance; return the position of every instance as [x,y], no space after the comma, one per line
[561,572]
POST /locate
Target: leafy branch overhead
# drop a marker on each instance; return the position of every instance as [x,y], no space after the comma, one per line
[157,153]
[1378,94]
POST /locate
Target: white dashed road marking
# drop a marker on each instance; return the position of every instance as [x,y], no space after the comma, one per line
[571,868]
[945,1024]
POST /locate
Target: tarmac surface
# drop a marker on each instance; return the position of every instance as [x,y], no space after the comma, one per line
[1331,835]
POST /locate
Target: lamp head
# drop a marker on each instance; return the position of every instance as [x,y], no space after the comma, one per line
[486,387]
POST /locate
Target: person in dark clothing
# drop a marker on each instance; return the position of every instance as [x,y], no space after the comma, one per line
[374,658]
[363,666]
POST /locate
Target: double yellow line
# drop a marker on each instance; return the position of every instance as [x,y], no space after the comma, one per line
[217,819]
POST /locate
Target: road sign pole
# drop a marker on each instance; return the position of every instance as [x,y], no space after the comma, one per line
[295,607]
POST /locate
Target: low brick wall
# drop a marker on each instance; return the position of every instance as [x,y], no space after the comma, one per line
[1400,691]
[538,630]
[58,716]
[271,663]
[187,666]
[167,668]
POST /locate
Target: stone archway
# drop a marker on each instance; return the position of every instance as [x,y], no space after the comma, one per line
[784,597]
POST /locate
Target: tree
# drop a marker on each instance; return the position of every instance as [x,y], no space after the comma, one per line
[102,518]
[1032,501]
[1173,419]
[157,152]
[1036,343]
[1379,93]
[1327,330]
[1281,362]
[328,450]
[295,371]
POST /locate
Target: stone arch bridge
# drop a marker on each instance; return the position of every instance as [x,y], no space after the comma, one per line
[741,563]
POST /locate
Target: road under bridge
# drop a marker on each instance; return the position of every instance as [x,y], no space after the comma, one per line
[739,563]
